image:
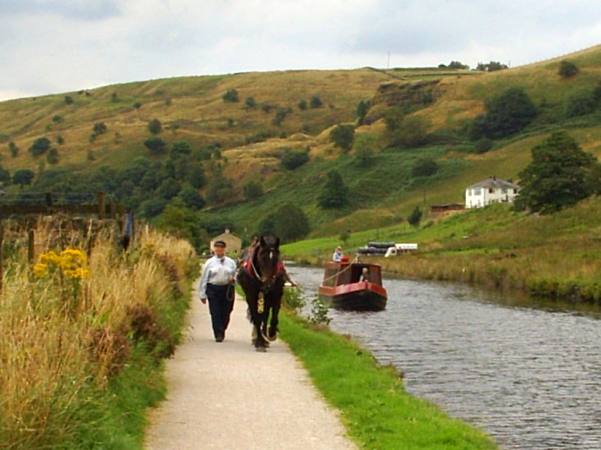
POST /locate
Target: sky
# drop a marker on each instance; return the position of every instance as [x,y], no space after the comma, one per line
[51,46]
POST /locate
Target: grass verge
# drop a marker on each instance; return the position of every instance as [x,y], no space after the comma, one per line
[375,408]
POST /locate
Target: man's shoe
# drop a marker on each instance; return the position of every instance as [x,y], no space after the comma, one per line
[219,338]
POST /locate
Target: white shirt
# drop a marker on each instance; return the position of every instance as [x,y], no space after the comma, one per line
[216,271]
[337,256]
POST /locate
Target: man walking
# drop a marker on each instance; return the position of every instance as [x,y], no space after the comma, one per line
[217,285]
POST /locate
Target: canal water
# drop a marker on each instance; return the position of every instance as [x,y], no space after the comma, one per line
[529,374]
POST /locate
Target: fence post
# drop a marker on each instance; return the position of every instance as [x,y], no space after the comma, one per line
[30,246]
[1,255]
[101,205]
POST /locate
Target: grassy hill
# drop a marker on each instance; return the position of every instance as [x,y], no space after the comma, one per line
[382,194]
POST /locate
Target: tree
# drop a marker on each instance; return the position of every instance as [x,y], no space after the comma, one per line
[280,115]
[180,149]
[68,100]
[580,104]
[252,190]
[483,145]
[23,177]
[52,156]
[492,66]
[362,109]
[334,193]
[415,217]
[156,145]
[191,198]
[196,175]
[567,69]
[13,149]
[5,177]
[405,131]
[169,188]
[290,223]
[155,126]
[343,136]
[231,96]
[39,146]
[316,102]
[250,102]
[292,159]
[152,207]
[302,104]
[425,167]
[457,65]
[219,189]
[558,175]
[181,221]
[364,149]
[506,114]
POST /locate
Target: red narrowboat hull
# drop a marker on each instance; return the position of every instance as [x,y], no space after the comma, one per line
[360,296]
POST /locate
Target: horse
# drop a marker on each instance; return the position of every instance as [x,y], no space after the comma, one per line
[262,276]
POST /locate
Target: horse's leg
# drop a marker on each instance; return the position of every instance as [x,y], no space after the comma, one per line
[257,319]
[276,301]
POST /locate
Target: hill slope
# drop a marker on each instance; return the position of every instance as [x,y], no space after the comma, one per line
[251,142]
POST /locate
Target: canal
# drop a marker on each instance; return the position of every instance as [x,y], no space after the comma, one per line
[529,373]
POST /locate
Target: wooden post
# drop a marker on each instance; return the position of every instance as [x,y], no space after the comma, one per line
[113,207]
[1,255]
[30,246]
[101,205]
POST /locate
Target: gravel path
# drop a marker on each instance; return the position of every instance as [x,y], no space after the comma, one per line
[227,396]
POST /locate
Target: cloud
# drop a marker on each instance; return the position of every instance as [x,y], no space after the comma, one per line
[53,46]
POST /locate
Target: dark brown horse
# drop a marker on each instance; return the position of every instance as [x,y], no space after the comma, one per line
[262,277]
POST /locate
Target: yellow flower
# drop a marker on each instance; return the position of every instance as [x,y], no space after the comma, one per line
[72,262]
[40,270]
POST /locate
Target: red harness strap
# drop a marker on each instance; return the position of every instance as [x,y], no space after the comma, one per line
[247,264]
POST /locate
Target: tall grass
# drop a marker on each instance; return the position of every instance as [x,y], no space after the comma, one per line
[67,341]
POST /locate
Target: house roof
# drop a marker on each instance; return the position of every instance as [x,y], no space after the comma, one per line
[494,183]
[226,235]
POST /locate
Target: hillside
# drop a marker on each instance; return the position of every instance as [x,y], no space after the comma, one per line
[251,142]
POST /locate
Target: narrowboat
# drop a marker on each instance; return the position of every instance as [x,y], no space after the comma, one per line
[353,286]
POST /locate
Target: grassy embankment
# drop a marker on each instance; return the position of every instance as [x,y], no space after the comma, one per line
[554,256]
[83,339]
[375,408]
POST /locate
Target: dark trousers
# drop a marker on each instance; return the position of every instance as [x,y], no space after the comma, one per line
[221,304]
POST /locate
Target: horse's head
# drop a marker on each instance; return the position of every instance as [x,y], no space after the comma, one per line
[267,256]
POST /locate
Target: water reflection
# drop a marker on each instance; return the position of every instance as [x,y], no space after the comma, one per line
[526,371]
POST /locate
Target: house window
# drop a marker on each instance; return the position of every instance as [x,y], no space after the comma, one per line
[490,190]
[504,191]
[476,191]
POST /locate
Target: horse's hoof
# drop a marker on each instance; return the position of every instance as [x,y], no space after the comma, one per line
[272,338]
[261,349]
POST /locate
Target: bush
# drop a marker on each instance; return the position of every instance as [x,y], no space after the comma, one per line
[39,146]
[334,193]
[364,147]
[580,104]
[252,190]
[343,136]
[483,145]
[567,69]
[60,140]
[457,65]
[57,119]
[405,131]
[155,126]
[302,105]
[68,100]
[155,145]
[137,105]
[280,115]
[316,102]
[425,167]
[22,177]
[506,114]
[231,96]
[191,198]
[250,102]
[415,217]
[292,159]
[13,149]
[361,111]
[5,177]
[52,156]
[99,128]
[492,66]
[219,190]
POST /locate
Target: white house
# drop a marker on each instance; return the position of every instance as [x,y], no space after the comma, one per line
[491,190]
